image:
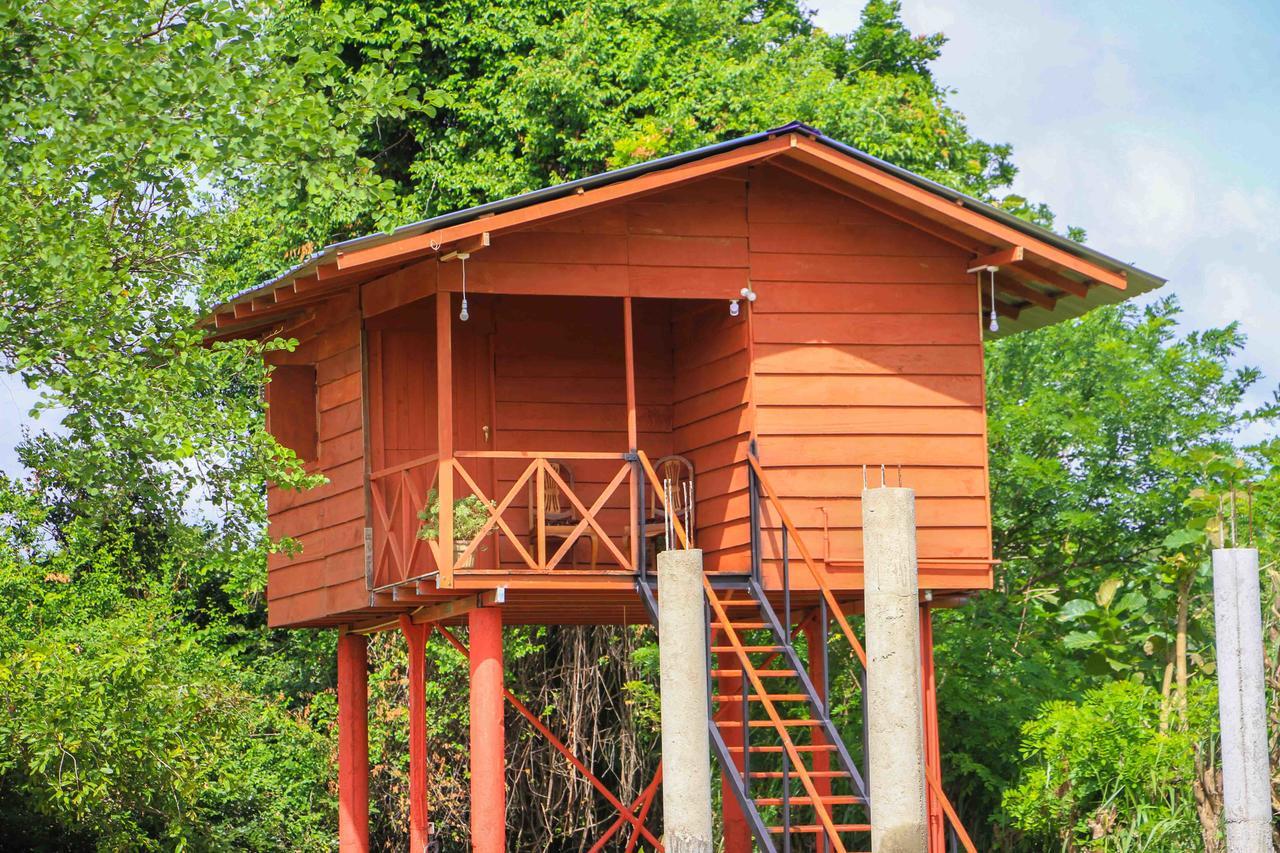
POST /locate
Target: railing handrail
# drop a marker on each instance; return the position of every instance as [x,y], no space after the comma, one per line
[538,454]
[823,582]
[404,466]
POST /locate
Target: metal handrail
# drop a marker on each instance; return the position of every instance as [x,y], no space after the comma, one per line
[820,578]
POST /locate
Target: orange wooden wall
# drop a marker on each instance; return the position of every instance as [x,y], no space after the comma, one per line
[866,350]
[864,347]
[328,576]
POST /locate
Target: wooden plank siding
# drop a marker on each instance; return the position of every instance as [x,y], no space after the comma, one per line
[866,350]
[862,347]
[328,575]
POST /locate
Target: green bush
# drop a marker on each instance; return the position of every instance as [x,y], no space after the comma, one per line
[1101,775]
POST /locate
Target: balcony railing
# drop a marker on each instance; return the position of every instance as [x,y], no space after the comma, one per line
[535,520]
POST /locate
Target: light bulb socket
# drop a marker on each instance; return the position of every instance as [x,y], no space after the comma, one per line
[734,308]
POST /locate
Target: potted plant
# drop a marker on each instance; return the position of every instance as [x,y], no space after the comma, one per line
[469,516]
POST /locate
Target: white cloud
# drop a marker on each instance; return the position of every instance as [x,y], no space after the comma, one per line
[1116,114]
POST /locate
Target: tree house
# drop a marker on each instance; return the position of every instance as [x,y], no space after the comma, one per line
[778,316]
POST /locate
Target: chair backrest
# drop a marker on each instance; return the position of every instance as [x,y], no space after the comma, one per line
[556,508]
[679,470]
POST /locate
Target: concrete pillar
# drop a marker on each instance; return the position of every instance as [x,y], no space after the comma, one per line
[488,741]
[686,747]
[1246,775]
[894,679]
[353,743]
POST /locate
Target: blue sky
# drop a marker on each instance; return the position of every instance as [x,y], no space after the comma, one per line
[1152,125]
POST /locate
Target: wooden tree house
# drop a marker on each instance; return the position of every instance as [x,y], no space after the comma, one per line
[782,311]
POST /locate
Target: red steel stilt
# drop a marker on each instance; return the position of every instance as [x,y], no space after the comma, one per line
[737,834]
[353,743]
[416,639]
[932,740]
[488,761]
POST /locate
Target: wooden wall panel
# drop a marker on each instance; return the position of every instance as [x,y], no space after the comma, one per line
[330,519]
[712,415]
[867,350]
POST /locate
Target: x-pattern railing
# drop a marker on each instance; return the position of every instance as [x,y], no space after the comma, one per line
[397,494]
[541,471]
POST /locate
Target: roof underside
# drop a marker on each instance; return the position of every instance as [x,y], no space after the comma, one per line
[1041,277]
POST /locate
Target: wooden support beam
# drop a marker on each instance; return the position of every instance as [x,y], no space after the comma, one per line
[1002,258]
[629,347]
[1029,272]
[242,310]
[226,318]
[353,743]
[467,246]
[456,607]
[444,433]
[932,741]
[488,754]
[306,283]
[1026,293]
[416,639]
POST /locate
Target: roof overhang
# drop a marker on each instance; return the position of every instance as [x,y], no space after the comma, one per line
[1041,277]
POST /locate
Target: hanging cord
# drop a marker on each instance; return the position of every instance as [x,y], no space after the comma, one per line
[995,324]
[464,315]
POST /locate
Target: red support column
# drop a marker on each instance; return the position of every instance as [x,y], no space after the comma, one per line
[488,758]
[416,639]
[353,743]
[932,740]
[737,834]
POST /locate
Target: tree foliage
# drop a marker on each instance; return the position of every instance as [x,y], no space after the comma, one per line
[163,154]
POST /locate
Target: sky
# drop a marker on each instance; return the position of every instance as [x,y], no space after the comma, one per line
[1152,125]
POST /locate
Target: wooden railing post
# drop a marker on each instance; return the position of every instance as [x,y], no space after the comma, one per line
[444,432]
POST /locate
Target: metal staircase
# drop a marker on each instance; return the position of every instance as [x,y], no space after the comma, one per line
[780,755]
[779,752]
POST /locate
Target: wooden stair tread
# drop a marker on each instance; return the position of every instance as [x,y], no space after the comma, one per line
[740,626]
[769,724]
[772,697]
[746,648]
[813,774]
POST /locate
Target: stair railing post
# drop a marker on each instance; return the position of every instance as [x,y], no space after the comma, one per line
[786,802]
[786,586]
[826,670]
[746,733]
[754,497]
[642,558]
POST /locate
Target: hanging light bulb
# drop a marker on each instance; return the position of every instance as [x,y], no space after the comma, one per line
[734,308]
[464,315]
[995,324]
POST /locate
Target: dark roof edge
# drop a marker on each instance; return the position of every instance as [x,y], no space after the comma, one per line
[1145,280]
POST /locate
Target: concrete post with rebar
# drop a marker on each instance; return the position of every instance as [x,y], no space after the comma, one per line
[1246,772]
[686,748]
[894,700]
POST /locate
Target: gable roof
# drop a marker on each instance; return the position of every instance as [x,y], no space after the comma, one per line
[1043,277]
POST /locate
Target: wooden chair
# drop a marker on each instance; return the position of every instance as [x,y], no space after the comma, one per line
[678,470]
[558,513]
